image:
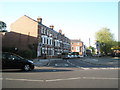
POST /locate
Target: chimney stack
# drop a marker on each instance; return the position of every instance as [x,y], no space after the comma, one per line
[60,31]
[39,20]
[51,26]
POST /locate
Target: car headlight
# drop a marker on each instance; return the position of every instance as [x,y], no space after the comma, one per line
[30,61]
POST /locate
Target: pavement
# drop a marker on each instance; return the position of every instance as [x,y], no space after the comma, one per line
[92,60]
[102,60]
[44,62]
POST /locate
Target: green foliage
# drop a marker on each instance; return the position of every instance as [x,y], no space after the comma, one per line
[104,35]
[25,53]
[33,48]
[106,40]
[116,45]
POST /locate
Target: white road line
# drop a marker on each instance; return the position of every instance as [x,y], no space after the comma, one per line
[100,78]
[94,78]
[85,68]
[72,63]
[62,79]
[53,80]
[112,68]
[23,79]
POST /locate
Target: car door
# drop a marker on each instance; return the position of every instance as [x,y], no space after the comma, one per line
[6,61]
[16,62]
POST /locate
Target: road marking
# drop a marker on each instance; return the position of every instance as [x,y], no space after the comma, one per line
[94,78]
[100,78]
[64,79]
[110,68]
[23,79]
[72,63]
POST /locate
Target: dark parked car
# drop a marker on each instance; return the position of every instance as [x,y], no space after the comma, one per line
[66,55]
[13,61]
[116,53]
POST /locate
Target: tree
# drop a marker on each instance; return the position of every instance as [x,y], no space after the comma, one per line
[2,26]
[106,40]
[116,45]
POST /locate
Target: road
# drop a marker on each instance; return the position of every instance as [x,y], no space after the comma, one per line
[90,62]
[47,77]
[71,73]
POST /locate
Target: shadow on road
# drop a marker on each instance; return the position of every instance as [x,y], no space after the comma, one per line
[36,70]
[50,70]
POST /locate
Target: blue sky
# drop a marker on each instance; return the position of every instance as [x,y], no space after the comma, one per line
[78,20]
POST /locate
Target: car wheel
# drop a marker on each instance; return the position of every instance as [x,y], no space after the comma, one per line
[27,67]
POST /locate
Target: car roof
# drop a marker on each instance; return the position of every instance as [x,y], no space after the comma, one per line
[10,53]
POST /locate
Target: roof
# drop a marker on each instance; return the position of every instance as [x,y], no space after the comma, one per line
[30,18]
[76,40]
[40,23]
[44,25]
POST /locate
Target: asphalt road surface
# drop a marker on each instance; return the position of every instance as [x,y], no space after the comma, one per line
[72,73]
[49,77]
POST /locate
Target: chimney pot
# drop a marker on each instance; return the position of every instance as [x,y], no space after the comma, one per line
[39,19]
[51,26]
[60,31]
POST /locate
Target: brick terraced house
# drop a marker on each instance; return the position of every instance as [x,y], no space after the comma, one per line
[78,46]
[26,33]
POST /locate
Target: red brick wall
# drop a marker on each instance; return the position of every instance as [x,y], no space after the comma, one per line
[74,45]
[24,31]
[21,41]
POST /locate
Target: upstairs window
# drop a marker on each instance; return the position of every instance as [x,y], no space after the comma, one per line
[42,30]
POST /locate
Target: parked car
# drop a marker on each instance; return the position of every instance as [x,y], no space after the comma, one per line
[116,53]
[13,61]
[66,55]
[75,56]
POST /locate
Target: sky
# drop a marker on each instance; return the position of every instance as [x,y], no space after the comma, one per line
[77,19]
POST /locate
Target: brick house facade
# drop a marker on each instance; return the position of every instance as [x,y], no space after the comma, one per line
[77,46]
[27,32]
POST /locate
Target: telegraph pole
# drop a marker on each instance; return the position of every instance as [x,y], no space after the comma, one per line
[89,42]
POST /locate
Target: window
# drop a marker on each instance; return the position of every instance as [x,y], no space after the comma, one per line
[55,42]
[77,49]
[72,48]
[48,41]
[14,57]
[42,30]
[51,41]
[59,43]
[47,32]
[42,40]
[43,50]
[45,39]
